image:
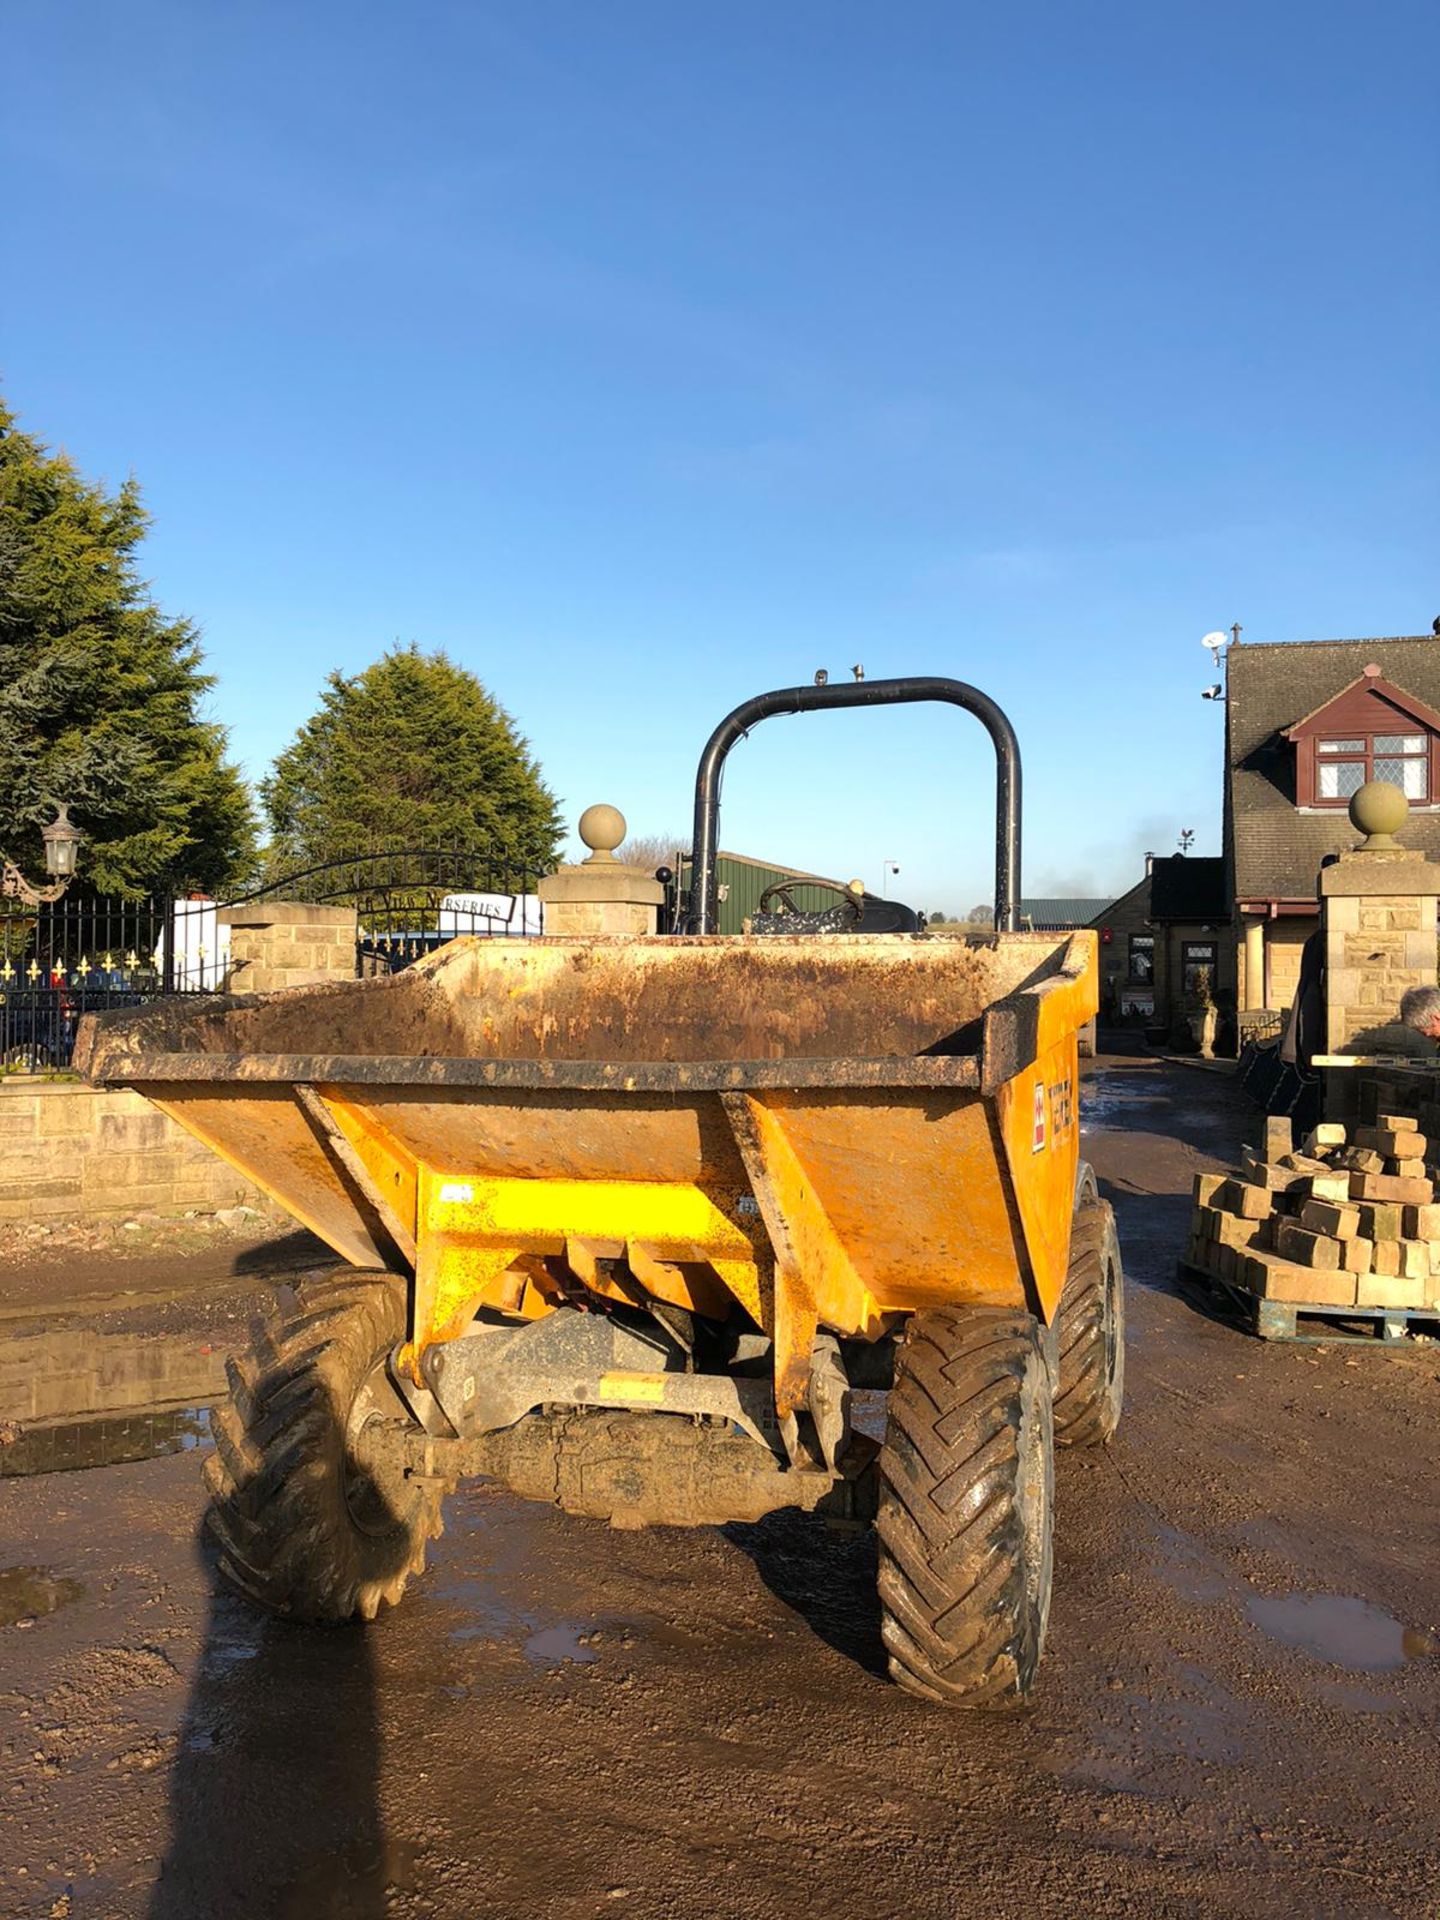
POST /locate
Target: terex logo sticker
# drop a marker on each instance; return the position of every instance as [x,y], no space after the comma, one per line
[1054,1113]
[1062,1106]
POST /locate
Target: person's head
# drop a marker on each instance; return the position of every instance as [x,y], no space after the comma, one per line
[1420,1009]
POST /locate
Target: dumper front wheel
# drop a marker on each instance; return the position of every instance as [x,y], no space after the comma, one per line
[966,1502]
[1091,1332]
[302,1526]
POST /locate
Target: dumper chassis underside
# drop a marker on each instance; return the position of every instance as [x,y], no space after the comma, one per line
[332,1464]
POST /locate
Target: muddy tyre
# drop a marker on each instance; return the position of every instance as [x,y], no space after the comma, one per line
[966,1504]
[1090,1333]
[301,1527]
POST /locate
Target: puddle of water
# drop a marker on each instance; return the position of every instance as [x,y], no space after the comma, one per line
[551,1645]
[77,1397]
[27,1593]
[354,1884]
[487,1617]
[1103,1105]
[110,1440]
[221,1655]
[1339,1629]
[491,1622]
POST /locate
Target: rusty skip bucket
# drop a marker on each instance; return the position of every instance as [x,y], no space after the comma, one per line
[819,1132]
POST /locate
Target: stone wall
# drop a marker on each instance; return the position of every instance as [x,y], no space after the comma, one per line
[1380,940]
[71,1152]
[281,944]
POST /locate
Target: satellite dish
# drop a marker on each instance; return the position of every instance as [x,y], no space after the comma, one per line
[1214,641]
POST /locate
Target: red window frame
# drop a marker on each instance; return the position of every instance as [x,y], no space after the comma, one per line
[1312,759]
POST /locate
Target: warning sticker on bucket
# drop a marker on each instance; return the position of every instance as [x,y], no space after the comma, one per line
[1038,1137]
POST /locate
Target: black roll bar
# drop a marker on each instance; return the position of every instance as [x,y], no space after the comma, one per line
[858,693]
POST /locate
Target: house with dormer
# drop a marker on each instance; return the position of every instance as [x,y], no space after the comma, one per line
[1308,722]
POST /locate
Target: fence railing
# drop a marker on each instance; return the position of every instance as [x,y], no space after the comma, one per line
[89,952]
[77,955]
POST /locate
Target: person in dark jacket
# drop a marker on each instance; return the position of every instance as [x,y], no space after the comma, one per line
[1420,1009]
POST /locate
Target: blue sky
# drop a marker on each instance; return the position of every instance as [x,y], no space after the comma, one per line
[647,355]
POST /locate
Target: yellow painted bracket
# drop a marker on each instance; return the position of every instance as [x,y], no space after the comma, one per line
[473,1229]
[379,1170]
[815,1278]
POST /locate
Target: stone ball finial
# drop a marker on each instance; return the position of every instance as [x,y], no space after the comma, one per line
[1379,810]
[602,829]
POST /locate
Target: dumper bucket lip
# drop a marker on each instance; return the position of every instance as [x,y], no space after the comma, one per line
[175,1044]
[941,1071]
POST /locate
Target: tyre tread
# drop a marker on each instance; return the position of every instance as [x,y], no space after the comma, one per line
[1088,1395]
[278,1516]
[958,1624]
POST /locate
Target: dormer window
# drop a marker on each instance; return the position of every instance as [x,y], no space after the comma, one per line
[1343,766]
[1371,730]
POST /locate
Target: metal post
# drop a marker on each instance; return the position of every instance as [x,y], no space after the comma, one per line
[168,919]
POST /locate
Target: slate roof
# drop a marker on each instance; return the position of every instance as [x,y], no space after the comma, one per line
[1276,852]
[1187,887]
[1047,915]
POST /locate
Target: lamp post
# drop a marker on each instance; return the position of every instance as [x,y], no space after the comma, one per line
[62,843]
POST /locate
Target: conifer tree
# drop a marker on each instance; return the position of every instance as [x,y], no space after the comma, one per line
[412,752]
[101,694]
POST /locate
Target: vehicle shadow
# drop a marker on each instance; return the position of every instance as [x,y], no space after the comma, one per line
[823,1573]
[290,1252]
[274,1795]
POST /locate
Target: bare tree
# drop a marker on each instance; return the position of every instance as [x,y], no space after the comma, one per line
[981,916]
[651,850]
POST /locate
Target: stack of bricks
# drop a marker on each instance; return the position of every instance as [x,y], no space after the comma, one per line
[1349,1220]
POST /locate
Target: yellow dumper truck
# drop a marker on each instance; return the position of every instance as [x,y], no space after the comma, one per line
[625,1224]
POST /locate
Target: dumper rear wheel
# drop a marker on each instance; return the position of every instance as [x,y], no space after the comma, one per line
[302,1527]
[1091,1332]
[966,1502]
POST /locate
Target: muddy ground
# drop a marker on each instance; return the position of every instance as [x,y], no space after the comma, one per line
[1237,1715]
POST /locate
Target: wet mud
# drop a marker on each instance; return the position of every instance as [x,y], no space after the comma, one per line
[1237,1714]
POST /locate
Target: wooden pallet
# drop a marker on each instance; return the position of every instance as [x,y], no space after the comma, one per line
[1281,1319]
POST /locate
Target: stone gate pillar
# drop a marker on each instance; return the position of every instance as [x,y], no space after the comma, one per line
[599,895]
[283,943]
[1377,917]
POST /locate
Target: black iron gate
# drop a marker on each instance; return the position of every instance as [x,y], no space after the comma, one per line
[409,901]
[88,952]
[81,954]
